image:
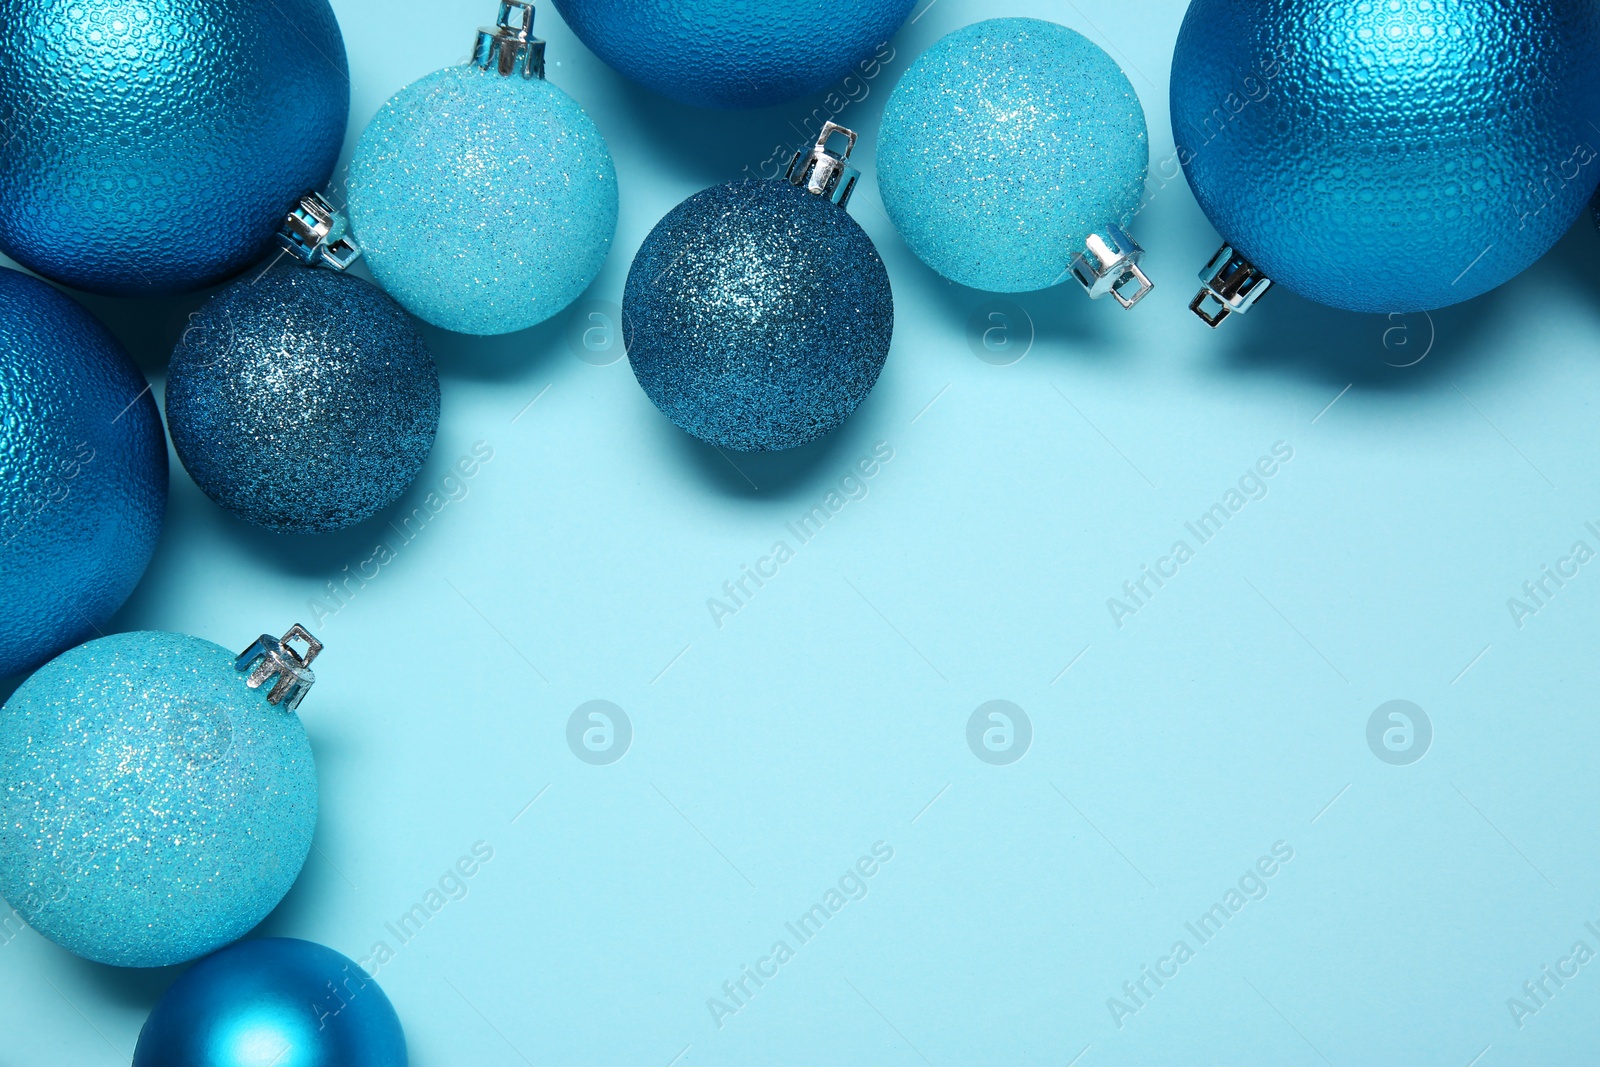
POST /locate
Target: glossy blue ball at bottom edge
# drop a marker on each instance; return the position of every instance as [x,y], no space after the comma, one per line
[153,807]
[83,473]
[484,204]
[274,1001]
[155,146]
[757,315]
[1004,146]
[303,400]
[1390,156]
[736,54]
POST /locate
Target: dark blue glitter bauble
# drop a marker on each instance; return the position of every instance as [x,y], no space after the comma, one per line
[303,400]
[757,315]
[1389,155]
[154,146]
[83,473]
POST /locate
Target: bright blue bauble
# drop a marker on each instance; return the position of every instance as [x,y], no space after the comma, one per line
[1389,155]
[153,807]
[1004,147]
[83,473]
[275,1002]
[485,204]
[734,53]
[155,146]
[757,315]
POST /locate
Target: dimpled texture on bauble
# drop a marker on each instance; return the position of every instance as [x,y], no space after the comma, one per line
[83,473]
[155,146]
[485,204]
[1389,155]
[153,807]
[1004,147]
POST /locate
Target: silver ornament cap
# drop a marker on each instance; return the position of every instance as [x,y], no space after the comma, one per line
[315,233]
[1110,265]
[823,171]
[509,46]
[1231,285]
[276,657]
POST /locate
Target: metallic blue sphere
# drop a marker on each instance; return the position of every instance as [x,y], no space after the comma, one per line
[274,1001]
[83,473]
[1389,155]
[737,54]
[757,315]
[155,146]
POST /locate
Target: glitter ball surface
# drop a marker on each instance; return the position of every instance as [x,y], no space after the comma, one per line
[83,473]
[302,401]
[758,315]
[1004,147]
[152,806]
[485,204]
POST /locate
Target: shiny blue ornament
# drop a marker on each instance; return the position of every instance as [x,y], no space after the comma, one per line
[1011,154]
[157,799]
[737,54]
[1392,156]
[83,485]
[275,1002]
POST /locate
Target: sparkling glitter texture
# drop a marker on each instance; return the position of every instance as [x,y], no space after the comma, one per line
[153,146]
[152,806]
[485,204]
[757,315]
[1004,147]
[1389,156]
[83,473]
[303,401]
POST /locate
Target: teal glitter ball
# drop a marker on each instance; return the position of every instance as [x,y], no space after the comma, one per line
[485,204]
[1004,147]
[153,807]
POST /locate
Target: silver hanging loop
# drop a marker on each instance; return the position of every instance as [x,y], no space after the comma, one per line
[276,657]
[823,171]
[317,235]
[509,46]
[1231,286]
[1110,265]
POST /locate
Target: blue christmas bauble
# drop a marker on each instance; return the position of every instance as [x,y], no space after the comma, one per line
[153,806]
[1004,147]
[1390,156]
[273,1002]
[153,146]
[735,54]
[83,483]
[484,203]
[303,400]
[758,315]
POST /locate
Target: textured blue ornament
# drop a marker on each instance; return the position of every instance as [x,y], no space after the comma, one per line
[274,1002]
[83,473]
[153,807]
[758,315]
[1004,147]
[1389,155]
[737,54]
[153,146]
[484,203]
[302,401]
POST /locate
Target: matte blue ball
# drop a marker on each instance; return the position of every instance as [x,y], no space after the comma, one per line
[485,204]
[153,807]
[1004,147]
[302,401]
[155,146]
[1389,155]
[276,1002]
[83,473]
[737,54]
[757,315]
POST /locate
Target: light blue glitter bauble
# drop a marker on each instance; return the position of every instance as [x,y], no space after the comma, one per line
[154,146]
[153,807]
[737,54]
[275,1002]
[1389,155]
[1004,147]
[83,473]
[485,204]
[302,401]
[757,315]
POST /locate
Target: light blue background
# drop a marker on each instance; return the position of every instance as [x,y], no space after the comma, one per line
[830,713]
